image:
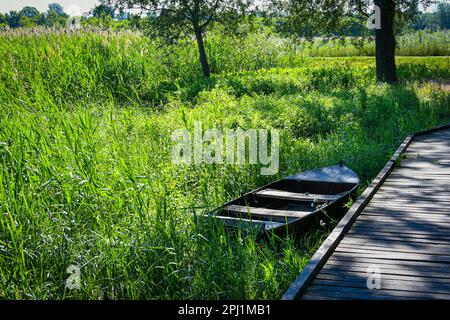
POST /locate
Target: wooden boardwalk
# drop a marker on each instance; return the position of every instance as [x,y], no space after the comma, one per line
[399,228]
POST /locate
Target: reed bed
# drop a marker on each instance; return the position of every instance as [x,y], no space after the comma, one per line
[86,177]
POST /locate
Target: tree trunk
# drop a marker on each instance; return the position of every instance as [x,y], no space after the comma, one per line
[202,53]
[385,43]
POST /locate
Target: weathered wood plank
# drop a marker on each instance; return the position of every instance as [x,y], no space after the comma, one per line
[404,214]
[392,242]
[399,214]
[232,221]
[361,238]
[407,257]
[345,259]
[294,196]
[416,188]
[357,276]
[415,185]
[404,226]
[415,193]
[422,273]
[398,285]
[270,214]
[396,255]
[387,234]
[324,295]
[373,294]
[403,205]
[444,221]
[398,176]
[419,197]
[418,163]
[401,248]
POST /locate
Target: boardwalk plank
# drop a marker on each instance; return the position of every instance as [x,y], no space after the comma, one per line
[391,266]
[361,238]
[396,255]
[402,248]
[374,294]
[390,213]
[398,218]
[368,233]
[348,259]
[351,276]
[401,226]
[433,287]
[387,270]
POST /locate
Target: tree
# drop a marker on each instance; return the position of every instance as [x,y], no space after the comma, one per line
[385,42]
[55,16]
[443,13]
[29,12]
[13,19]
[52,19]
[3,20]
[326,15]
[29,17]
[427,20]
[103,10]
[174,17]
[56,8]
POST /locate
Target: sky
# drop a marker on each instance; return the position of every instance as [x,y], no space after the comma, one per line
[42,5]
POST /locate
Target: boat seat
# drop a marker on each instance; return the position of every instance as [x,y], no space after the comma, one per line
[271,214]
[294,196]
[235,222]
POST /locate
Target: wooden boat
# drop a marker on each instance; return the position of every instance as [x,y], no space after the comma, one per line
[294,203]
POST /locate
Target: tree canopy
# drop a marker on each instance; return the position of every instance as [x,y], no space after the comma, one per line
[310,18]
[56,8]
[172,18]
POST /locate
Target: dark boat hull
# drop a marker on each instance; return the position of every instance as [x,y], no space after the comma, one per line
[292,204]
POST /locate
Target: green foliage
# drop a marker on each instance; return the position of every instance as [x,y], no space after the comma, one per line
[443,12]
[86,176]
[349,17]
[57,9]
[30,17]
[171,19]
[412,43]
[29,12]
[136,70]
[103,10]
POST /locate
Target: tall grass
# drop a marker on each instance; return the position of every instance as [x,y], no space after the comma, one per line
[68,66]
[86,177]
[414,43]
